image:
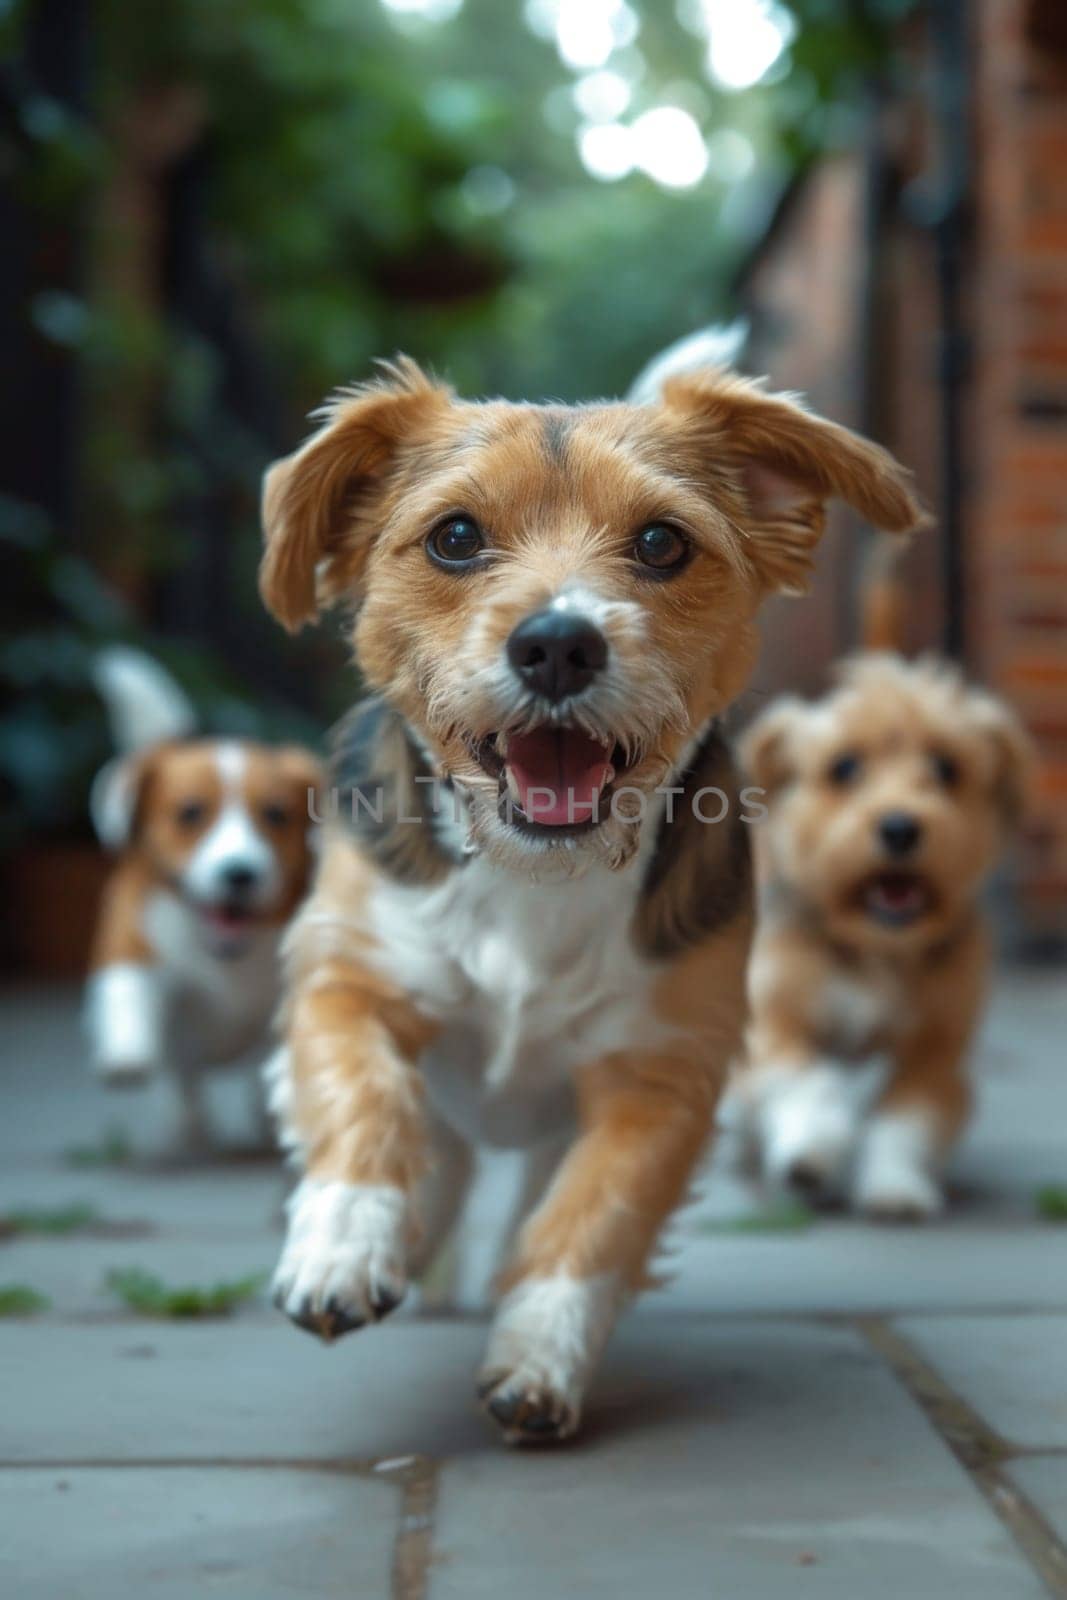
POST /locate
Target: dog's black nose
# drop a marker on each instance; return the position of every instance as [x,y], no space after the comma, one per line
[557,653]
[899,832]
[239,876]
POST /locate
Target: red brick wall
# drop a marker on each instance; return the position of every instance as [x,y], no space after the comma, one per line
[1018,513]
[805,290]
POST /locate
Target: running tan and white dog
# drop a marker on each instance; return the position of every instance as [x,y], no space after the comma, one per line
[532,914]
[212,838]
[889,802]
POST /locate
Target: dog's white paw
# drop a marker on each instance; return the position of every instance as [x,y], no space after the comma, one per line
[124,1017]
[128,1071]
[808,1122]
[546,1337]
[528,1405]
[344,1259]
[893,1180]
[904,1194]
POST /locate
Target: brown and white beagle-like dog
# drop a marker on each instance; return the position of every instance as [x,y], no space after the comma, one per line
[531,917]
[212,839]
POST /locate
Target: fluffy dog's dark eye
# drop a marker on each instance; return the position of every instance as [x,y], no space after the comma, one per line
[661,547]
[845,769]
[456,542]
[190,813]
[946,769]
[275,815]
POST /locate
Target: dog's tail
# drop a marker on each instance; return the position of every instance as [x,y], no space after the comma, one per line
[882,600]
[720,345]
[144,704]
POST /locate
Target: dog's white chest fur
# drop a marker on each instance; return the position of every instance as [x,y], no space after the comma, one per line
[858,1013]
[218,1008]
[529,980]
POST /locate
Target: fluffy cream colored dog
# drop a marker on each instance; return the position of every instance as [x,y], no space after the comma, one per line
[889,802]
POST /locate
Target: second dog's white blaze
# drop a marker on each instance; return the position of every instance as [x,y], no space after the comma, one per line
[233,839]
[346,1244]
[897,1163]
[547,1336]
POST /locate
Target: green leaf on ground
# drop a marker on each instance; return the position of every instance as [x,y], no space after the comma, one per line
[784,1218]
[18,1300]
[144,1292]
[113,1150]
[49,1219]
[1051,1202]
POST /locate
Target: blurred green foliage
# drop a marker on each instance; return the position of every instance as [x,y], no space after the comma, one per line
[19,1300]
[373,180]
[148,1295]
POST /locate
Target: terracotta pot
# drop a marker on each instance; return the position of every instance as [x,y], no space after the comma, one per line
[53,892]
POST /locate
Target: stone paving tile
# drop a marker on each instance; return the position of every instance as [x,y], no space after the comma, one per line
[1043,1479]
[1012,1370]
[250,1389]
[173,1533]
[230,1198]
[750,1460]
[849,1266]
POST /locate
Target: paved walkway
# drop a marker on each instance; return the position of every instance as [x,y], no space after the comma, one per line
[831,1411]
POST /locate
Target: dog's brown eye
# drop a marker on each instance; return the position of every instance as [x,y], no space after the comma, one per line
[661,547]
[845,769]
[190,813]
[456,542]
[274,815]
[946,769]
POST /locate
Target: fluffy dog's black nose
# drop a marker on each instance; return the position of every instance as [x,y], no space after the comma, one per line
[557,653]
[239,876]
[899,832]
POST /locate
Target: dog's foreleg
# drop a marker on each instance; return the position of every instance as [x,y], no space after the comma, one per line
[124,1002]
[355,1108]
[912,1128]
[807,1114]
[644,1122]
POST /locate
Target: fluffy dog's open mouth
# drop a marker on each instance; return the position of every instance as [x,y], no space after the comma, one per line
[896,899]
[552,780]
[228,918]
[228,923]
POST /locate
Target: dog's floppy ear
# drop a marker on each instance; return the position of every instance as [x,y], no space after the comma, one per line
[787,464]
[1013,754]
[766,748]
[318,502]
[116,795]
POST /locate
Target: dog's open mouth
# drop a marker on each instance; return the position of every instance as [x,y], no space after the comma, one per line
[896,899]
[553,780]
[228,921]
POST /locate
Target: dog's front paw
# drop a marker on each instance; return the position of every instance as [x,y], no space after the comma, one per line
[808,1127]
[903,1195]
[125,1019]
[528,1405]
[894,1178]
[344,1259]
[124,1071]
[545,1341]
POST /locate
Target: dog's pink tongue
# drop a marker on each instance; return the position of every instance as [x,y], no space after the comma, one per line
[559,773]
